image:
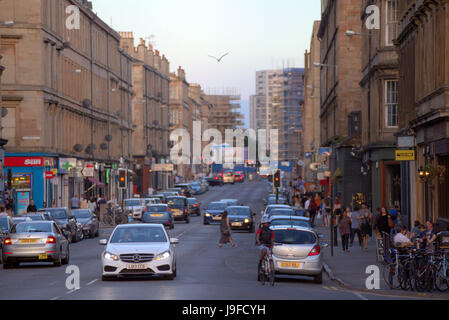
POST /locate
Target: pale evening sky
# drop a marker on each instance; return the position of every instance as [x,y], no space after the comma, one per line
[260,34]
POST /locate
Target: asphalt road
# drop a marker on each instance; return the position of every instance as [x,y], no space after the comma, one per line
[205,272]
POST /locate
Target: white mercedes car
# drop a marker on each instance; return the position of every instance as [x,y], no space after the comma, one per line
[139,249]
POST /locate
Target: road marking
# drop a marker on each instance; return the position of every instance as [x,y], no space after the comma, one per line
[72,291]
[325,287]
[55,298]
[92,282]
[360,296]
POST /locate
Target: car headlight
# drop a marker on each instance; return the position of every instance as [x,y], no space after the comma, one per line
[207,214]
[110,256]
[247,221]
[163,256]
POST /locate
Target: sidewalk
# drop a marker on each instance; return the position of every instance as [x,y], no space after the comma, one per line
[348,269]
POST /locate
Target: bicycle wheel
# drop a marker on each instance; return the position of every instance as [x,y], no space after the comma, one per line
[264,272]
[441,278]
[405,276]
[391,276]
[108,219]
[421,279]
[272,275]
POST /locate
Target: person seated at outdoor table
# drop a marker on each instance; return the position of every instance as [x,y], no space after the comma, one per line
[401,240]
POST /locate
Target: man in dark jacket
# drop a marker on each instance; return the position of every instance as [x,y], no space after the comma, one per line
[31,207]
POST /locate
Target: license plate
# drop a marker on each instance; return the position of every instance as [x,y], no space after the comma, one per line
[216,218]
[293,265]
[43,256]
[136,266]
[237,224]
[28,240]
[156,215]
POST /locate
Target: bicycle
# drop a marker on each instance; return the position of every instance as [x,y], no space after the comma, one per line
[117,214]
[442,274]
[266,270]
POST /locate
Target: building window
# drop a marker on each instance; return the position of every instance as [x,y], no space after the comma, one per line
[391,103]
[392,21]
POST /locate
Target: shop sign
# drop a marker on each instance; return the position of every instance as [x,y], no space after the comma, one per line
[163,167]
[66,164]
[49,175]
[24,161]
[88,172]
[405,155]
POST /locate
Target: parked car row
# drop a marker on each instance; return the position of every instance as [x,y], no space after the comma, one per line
[45,236]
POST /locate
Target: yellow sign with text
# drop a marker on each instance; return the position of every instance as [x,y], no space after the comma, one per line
[405,155]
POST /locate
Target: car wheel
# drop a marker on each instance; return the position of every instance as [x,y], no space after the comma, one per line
[319,278]
[67,258]
[74,237]
[97,233]
[58,262]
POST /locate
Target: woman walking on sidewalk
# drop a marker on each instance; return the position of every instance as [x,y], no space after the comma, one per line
[345,230]
[225,231]
[365,225]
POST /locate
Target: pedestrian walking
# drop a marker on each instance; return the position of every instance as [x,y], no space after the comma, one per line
[335,218]
[225,231]
[312,211]
[365,225]
[355,227]
[345,231]
[327,212]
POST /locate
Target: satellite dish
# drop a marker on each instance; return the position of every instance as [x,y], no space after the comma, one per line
[104,146]
[86,103]
[108,138]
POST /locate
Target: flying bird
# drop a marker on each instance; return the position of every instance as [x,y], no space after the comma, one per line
[219,60]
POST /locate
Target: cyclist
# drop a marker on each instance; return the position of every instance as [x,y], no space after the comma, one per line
[264,239]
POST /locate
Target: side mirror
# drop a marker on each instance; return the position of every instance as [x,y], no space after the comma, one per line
[103,242]
[324,245]
[174,241]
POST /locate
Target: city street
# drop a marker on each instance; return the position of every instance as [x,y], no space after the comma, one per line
[204,270]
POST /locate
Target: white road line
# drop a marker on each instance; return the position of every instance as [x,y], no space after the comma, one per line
[55,298]
[92,282]
[72,291]
[360,296]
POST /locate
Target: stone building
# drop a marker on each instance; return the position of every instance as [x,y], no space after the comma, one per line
[180,115]
[151,84]
[379,84]
[423,42]
[225,113]
[68,96]
[311,108]
[340,93]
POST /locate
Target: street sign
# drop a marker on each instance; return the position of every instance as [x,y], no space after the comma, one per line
[66,164]
[405,155]
[163,167]
[49,175]
[88,172]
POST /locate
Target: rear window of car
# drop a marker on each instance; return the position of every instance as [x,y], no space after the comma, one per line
[294,237]
[81,214]
[36,218]
[282,212]
[287,222]
[192,201]
[176,201]
[26,227]
[139,234]
[156,209]
[58,213]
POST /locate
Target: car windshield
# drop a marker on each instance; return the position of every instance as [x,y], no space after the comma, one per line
[175,201]
[152,200]
[25,227]
[294,237]
[157,209]
[269,209]
[132,203]
[273,201]
[195,186]
[138,234]
[217,206]
[192,201]
[81,214]
[231,202]
[59,214]
[4,224]
[287,222]
[19,220]
[238,212]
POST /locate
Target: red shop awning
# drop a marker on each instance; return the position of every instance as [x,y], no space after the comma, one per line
[99,184]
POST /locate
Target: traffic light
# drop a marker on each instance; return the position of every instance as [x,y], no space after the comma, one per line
[122,179]
[277,179]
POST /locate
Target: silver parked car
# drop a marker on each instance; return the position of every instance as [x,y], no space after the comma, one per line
[298,251]
[35,241]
